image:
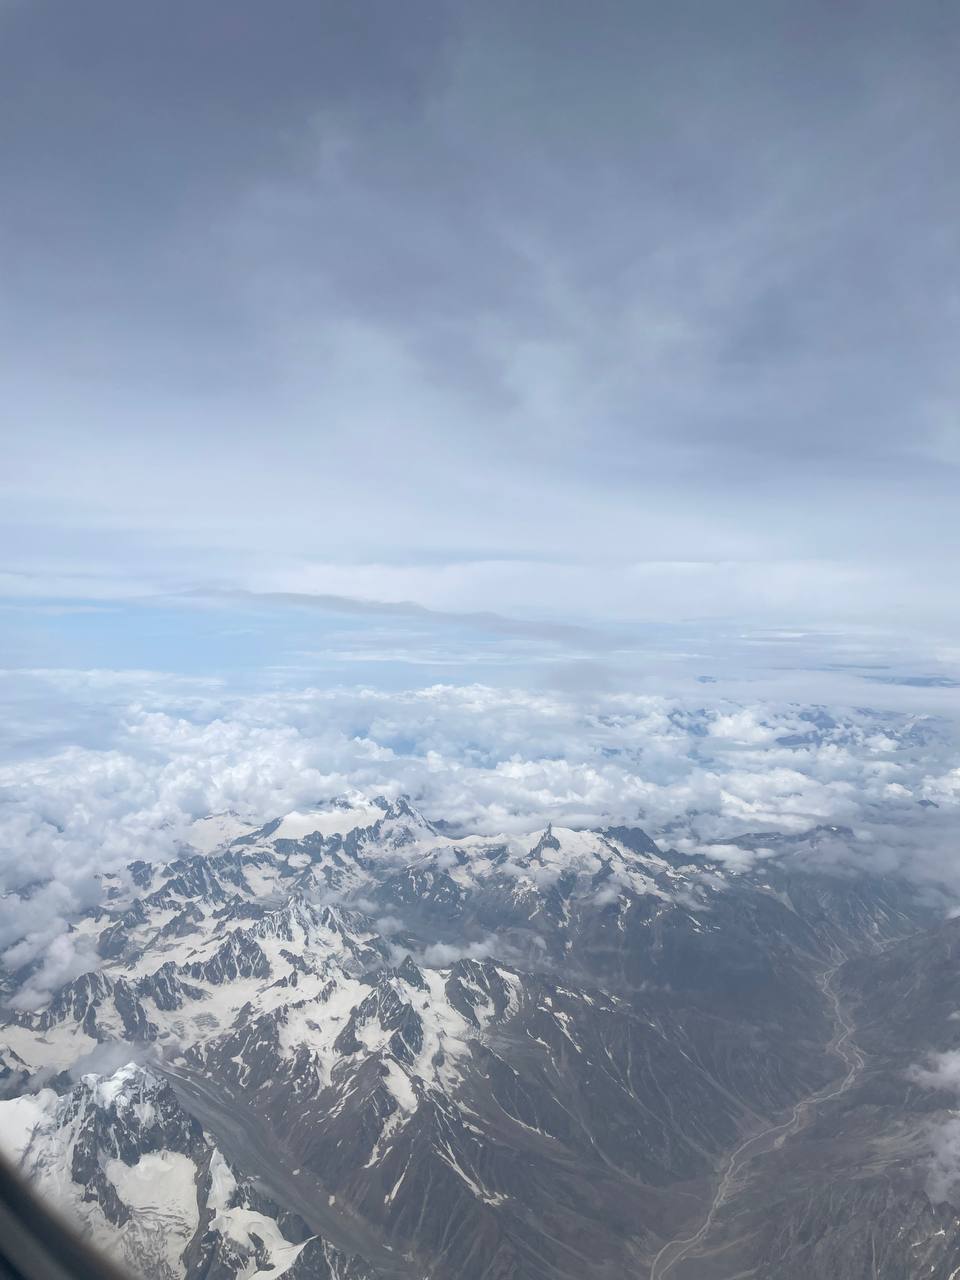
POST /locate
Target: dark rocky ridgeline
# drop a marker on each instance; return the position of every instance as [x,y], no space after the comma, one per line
[14,1073]
[103,1006]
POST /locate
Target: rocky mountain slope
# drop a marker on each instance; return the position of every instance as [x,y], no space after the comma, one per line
[360,1043]
[120,1155]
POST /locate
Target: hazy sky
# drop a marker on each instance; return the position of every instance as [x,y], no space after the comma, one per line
[594,314]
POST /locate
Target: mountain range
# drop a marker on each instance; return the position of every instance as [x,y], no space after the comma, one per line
[355,1042]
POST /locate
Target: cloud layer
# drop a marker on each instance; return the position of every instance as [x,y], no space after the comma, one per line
[484,759]
[648,313]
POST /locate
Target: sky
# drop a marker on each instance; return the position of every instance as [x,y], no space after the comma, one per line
[615,322]
[546,409]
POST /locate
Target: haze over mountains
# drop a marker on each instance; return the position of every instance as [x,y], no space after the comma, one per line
[355,1042]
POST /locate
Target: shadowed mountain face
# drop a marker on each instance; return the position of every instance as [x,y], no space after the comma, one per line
[347,1044]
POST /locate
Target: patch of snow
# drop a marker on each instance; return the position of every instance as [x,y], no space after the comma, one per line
[223,1184]
[216,830]
[20,1119]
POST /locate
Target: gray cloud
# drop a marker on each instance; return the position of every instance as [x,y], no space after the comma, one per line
[943,1176]
[62,956]
[450,285]
[495,623]
[942,1073]
[109,1056]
